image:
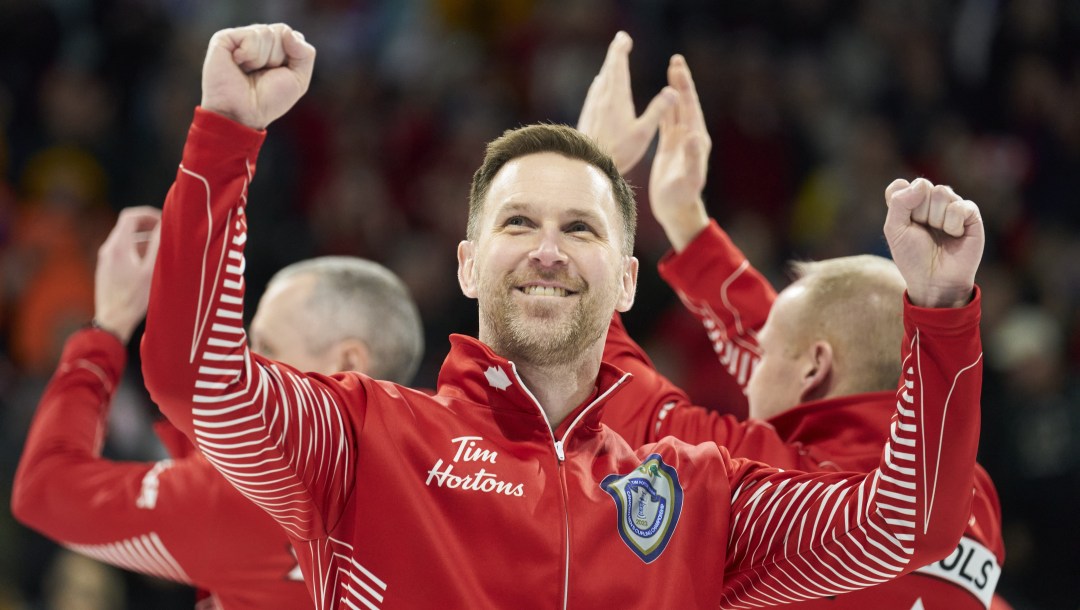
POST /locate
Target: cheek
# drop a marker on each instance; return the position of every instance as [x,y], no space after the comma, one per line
[304,361]
[290,348]
[755,380]
[754,398]
[604,270]
[763,379]
[495,258]
[759,372]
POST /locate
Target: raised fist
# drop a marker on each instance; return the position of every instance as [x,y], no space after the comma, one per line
[255,74]
[937,240]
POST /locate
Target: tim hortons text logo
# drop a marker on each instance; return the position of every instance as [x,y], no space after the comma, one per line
[467,451]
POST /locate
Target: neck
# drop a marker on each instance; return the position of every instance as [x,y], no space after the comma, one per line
[558,383]
[561,388]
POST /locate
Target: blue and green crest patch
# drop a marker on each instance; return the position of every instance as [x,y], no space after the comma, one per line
[649,500]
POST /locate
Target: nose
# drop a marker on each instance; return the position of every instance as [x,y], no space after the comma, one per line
[547,251]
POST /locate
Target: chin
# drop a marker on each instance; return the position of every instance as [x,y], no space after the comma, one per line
[550,304]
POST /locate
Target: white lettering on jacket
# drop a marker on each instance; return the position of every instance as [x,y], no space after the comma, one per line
[148,493]
[972,566]
[467,451]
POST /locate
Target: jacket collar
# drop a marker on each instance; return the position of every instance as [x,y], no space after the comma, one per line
[474,372]
[856,419]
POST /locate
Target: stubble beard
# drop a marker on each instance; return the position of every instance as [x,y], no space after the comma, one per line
[542,336]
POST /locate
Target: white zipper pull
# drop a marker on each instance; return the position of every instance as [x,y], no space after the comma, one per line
[559,451]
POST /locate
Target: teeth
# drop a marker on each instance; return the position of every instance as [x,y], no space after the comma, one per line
[544,291]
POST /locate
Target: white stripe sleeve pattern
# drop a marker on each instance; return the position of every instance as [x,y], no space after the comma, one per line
[797,537]
[340,580]
[734,341]
[145,554]
[278,436]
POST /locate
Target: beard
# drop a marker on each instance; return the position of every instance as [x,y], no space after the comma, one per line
[543,334]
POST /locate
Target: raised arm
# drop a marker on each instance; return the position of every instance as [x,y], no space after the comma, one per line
[63,488]
[156,518]
[710,274]
[283,439]
[798,536]
[608,115]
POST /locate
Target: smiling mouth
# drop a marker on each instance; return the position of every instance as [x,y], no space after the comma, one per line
[545,291]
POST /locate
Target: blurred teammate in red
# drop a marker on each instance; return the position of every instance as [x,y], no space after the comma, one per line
[821,368]
[179,519]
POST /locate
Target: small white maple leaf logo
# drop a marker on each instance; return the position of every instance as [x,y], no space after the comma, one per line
[497,377]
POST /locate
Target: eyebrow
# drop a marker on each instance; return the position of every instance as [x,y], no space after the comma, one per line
[576,213]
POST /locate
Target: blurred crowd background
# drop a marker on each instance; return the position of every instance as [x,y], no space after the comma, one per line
[814,106]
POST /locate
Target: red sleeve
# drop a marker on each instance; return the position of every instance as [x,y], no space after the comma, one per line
[986,514]
[284,439]
[798,536]
[732,299]
[665,410]
[155,518]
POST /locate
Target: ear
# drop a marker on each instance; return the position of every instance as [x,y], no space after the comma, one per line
[466,268]
[816,382]
[353,355]
[629,284]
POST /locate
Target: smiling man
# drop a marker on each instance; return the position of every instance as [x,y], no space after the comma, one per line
[504,490]
[550,261]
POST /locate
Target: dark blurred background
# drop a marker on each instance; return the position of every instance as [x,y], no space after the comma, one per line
[814,106]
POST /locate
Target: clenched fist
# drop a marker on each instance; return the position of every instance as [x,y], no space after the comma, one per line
[255,74]
[936,238]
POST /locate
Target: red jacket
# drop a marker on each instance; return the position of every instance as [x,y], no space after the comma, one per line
[468,499]
[715,281]
[174,519]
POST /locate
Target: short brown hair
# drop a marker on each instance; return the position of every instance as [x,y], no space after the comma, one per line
[561,139]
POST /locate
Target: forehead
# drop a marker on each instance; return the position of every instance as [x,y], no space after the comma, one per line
[550,182]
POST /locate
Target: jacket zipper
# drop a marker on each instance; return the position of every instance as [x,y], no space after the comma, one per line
[560,455]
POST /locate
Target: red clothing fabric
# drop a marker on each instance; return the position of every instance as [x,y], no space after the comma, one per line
[469,499]
[174,519]
[714,280]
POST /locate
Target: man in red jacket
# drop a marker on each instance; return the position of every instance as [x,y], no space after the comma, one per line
[503,489]
[821,369]
[179,519]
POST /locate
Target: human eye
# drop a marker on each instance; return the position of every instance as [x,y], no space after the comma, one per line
[579,226]
[517,221]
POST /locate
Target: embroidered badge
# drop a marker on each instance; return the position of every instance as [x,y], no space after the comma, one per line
[649,501]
